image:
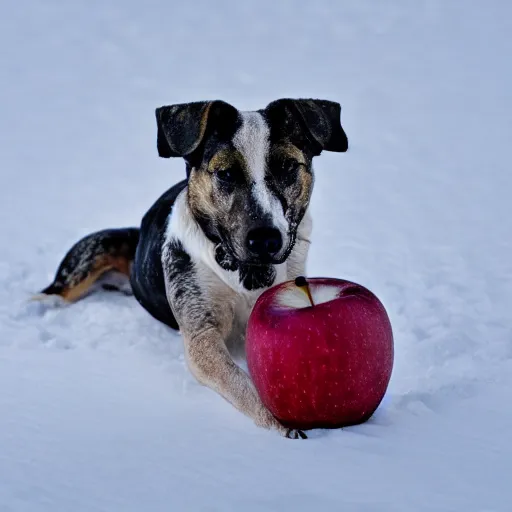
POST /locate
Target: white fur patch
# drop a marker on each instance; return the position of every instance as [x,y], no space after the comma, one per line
[252,140]
[182,226]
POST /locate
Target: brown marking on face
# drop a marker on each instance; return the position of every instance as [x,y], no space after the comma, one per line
[298,192]
[305,184]
[208,201]
[288,150]
[201,194]
[225,159]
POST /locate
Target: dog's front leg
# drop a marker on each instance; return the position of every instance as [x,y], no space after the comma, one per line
[204,310]
[210,362]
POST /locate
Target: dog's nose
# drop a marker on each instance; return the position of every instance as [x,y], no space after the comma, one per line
[264,241]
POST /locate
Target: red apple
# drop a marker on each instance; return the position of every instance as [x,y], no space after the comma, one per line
[320,352]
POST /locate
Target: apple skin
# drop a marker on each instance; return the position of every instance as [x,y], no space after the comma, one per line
[321,366]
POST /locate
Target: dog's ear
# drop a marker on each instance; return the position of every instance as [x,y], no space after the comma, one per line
[320,120]
[181,128]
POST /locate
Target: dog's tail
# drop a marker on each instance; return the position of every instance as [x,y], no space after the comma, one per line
[106,254]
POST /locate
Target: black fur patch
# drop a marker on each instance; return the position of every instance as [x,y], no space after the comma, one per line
[181,128]
[181,261]
[224,259]
[311,121]
[147,277]
[254,277]
[186,298]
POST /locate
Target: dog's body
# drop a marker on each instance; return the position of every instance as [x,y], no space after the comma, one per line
[214,242]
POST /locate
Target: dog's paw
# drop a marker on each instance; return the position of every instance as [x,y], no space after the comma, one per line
[266,419]
[295,433]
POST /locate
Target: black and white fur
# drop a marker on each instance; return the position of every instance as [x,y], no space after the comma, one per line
[211,244]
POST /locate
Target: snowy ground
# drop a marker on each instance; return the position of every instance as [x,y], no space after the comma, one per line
[97,410]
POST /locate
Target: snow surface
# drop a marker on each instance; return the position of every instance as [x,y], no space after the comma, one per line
[97,409]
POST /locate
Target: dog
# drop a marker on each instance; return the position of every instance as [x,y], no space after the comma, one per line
[210,245]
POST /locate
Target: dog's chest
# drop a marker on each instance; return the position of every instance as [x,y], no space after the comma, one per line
[242,310]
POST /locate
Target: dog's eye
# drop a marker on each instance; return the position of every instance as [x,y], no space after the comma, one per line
[289,166]
[226,175]
[286,171]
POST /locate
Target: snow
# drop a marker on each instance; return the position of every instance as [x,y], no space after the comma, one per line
[97,409]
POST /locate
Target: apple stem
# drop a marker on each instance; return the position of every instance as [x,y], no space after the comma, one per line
[301,282]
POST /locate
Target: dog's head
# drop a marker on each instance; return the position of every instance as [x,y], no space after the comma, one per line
[250,173]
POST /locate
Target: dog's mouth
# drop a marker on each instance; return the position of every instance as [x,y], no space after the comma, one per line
[252,275]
